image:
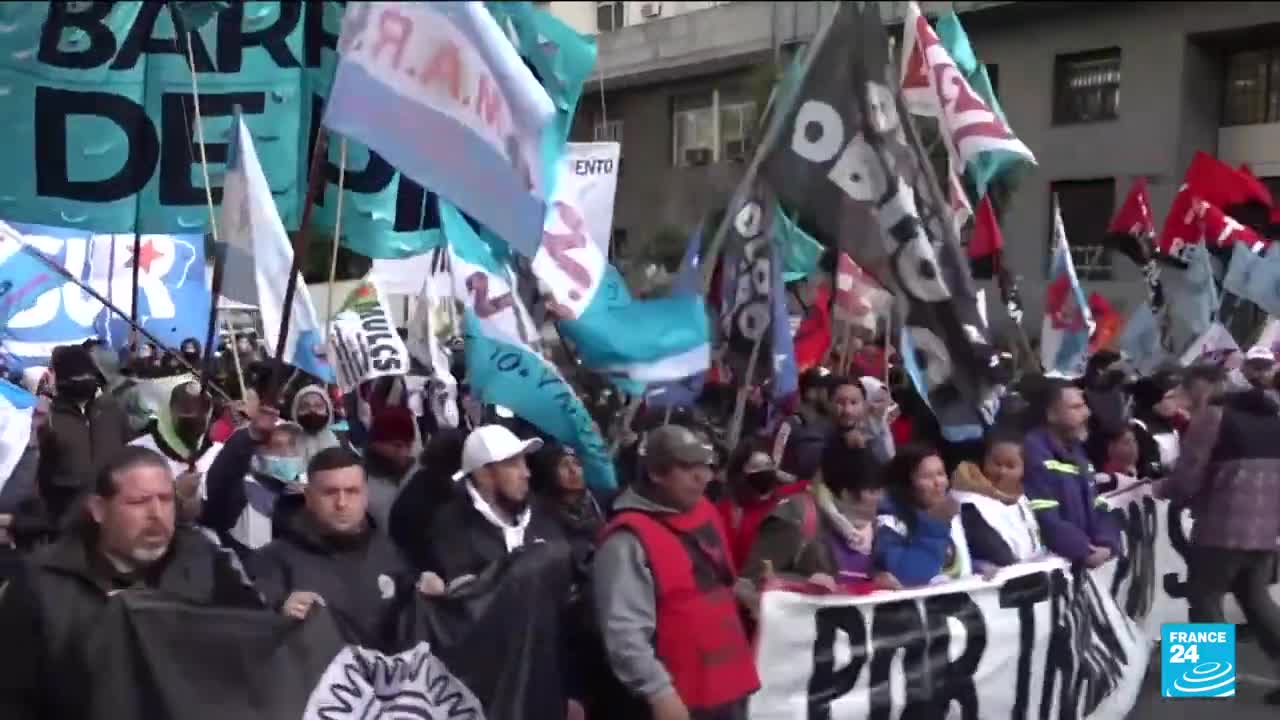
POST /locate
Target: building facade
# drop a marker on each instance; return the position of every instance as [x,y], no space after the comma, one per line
[1101,92]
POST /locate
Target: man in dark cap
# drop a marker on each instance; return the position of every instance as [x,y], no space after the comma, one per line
[662,579]
[85,428]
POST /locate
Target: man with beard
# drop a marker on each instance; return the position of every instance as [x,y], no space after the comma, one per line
[313,412]
[855,424]
[179,432]
[126,539]
[1059,478]
[490,514]
[85,428]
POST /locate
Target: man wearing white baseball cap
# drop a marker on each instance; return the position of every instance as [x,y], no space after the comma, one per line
[491,514]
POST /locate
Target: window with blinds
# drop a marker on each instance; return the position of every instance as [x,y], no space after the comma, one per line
[1252,93]
[1086,87]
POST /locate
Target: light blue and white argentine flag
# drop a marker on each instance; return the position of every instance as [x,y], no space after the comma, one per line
[633,342]
[260,256]
[438,89]
[1068,323]
[502,367]
[16,408]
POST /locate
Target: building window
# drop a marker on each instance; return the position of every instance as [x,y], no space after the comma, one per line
[1252,88]
[737,130]
[693,120]
[1087,206]
[610,16]
[610,131]
[1087,87]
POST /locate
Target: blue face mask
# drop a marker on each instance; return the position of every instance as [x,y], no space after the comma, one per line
[283,468]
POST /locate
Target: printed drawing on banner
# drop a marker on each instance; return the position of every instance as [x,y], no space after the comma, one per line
[1198,660]
[747,320]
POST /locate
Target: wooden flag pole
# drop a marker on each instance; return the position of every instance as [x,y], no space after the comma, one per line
[337,235]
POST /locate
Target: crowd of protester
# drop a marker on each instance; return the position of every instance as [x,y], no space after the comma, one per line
[286,501]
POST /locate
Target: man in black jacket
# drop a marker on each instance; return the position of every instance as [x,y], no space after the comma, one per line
[86,427]
[127,540]
[331,554]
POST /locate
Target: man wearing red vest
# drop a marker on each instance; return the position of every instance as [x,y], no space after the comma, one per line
[663,584]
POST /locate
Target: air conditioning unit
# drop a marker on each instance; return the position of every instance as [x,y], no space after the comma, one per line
[737,150]
[697,156]
[651,9]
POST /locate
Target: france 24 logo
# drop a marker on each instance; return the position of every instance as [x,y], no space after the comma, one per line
[1197,660]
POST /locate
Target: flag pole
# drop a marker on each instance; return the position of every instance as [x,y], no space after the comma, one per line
[337,236]
[133,297]
[57,267]
[235,357]
[771,136]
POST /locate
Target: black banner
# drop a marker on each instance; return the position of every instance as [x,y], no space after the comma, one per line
[850,158]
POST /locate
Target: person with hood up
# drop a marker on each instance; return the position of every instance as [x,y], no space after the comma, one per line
[255,482]
[558,478]
[1229,475]
[999,524]
[126,538]
[85,428]
[313,412]
[389,459]
[919,536]
[179,432]
[1159,414]
[1058,478]
[330,554]
[755,486]
[663,584]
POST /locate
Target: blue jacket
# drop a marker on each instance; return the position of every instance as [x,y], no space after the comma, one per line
[1059,483]
[914,557]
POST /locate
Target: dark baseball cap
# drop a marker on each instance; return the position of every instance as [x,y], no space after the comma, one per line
[675,445]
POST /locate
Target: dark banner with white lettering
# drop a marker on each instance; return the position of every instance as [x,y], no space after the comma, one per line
[850,159]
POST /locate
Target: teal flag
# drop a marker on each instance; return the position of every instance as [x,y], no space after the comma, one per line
[516,377]
[100,116]
[990,165]
[800,252]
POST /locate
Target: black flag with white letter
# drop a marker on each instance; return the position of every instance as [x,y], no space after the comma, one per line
[849,157]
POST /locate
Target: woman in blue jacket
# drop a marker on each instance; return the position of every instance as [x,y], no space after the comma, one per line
[919,538]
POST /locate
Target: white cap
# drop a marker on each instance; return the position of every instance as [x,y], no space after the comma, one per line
[489,444]
[1260,352]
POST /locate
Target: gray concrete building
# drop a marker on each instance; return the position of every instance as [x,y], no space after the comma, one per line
[1102,92]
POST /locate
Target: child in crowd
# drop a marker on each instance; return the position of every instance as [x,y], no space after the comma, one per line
[824,535]
[999,525]
[919,537]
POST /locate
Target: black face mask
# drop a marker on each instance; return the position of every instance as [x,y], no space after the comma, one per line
[313,422]
[189,429]
[78,390]
[761,482]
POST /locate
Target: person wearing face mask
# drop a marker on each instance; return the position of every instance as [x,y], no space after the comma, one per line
[85,428]
[313,412]
[255,483]
[824,535]
[127,538]
[755,487]
[179,432]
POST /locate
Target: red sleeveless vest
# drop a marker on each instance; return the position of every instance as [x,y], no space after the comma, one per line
[700,639]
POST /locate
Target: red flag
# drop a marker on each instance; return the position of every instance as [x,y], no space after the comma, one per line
[1106,322]
[1132,228]
[813,337]
[986,244]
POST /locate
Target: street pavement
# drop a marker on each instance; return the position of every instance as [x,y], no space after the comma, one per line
[1255,676]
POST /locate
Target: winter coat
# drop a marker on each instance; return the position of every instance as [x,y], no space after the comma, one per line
[1229,473]
[359,577]
[919,549]
[1059,483]
[798,538]
[244,508]
[1000,528]
[73,445]
[47,613]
